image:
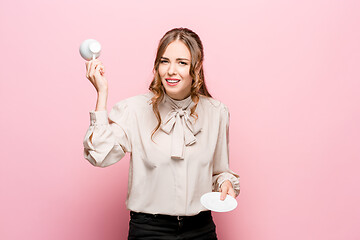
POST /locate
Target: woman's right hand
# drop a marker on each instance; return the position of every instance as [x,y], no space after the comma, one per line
[95,73]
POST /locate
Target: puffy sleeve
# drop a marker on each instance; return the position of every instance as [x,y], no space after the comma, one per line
[221,170]
[108,136]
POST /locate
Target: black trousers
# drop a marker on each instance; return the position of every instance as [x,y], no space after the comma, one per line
[146,226]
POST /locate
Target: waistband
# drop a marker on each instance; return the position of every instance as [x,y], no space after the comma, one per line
[201,215]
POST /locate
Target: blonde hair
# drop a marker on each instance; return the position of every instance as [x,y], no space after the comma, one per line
[198,87]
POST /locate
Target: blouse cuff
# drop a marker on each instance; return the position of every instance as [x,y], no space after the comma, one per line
[234,181]
[99,118]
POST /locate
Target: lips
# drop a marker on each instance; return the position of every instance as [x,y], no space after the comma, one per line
[172,80]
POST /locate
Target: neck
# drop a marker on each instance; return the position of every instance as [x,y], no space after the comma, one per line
[176,98]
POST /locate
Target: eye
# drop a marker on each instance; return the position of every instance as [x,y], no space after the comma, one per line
[184,63]
[162,61]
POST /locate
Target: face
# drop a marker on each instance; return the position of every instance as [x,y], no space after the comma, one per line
[174,70]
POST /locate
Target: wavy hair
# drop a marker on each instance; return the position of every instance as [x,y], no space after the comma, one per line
[198,86]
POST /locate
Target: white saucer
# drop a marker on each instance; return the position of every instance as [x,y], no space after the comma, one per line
[211,201]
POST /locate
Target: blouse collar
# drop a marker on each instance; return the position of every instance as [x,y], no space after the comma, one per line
[183,104]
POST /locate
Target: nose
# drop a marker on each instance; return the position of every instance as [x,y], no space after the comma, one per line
[171,69]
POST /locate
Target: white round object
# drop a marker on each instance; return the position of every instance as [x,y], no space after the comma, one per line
[212,202]
[95,47]
[90,49]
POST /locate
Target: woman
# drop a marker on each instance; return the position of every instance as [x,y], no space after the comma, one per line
[177,135]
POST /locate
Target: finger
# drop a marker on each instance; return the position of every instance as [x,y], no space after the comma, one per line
[89,68]
[87,64]
[92,68]
[97,66]
[98,69]
[232,193]
[101,68]
[102,71]
[223,194]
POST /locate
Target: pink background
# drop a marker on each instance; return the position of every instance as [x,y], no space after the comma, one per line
[288,71]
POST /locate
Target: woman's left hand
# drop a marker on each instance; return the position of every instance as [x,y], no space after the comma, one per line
[226,188]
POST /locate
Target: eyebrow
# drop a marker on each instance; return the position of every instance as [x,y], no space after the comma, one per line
[177,58]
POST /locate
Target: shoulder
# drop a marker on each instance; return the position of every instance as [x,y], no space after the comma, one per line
[135,102]
[218,110]
[213,104]
[130,107]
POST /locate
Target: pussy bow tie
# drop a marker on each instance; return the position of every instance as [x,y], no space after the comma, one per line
[180,122]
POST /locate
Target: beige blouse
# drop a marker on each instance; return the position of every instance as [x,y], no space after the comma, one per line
[186,158]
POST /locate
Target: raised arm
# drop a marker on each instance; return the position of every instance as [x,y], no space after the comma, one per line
[106,139]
